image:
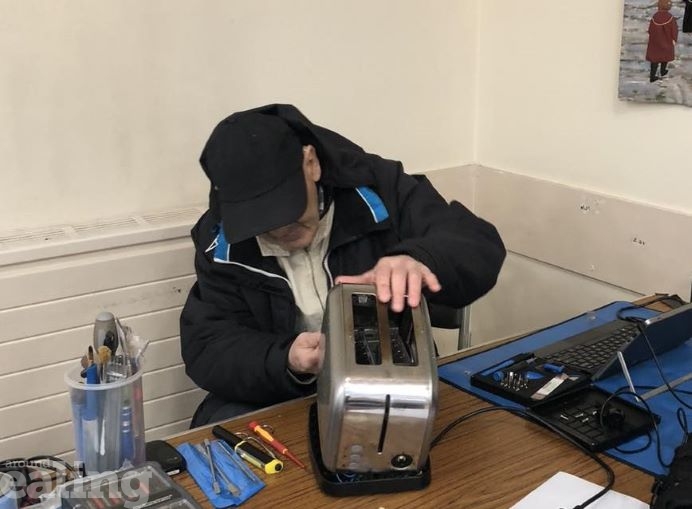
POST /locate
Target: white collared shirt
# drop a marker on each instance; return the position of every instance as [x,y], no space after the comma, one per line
[306,274]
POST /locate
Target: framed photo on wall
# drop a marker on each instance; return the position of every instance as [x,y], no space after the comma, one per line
[656,52]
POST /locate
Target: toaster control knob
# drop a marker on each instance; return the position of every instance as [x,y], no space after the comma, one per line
[401,461]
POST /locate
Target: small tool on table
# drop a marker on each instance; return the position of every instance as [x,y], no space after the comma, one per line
[248,452]
[206,453]
[264,434]
[214,482]
[235,459]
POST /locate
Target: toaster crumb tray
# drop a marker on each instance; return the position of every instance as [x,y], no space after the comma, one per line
[342,484]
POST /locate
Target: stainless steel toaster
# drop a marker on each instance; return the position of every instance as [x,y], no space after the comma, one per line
[377,392]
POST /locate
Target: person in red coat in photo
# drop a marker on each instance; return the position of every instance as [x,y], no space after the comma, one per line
[663,34]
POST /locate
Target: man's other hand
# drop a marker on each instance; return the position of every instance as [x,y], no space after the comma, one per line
[395,278]
[307,353]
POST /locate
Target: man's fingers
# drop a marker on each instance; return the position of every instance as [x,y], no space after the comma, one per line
[383,288]
[359,279]
[310,339]
[431,282]
[306,354]
[414,288]
[399,282]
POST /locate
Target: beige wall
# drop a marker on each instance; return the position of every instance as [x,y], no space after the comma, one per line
[590,193]
[548,106]
[105,105]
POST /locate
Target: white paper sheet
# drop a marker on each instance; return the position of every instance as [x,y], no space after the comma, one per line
[565,490]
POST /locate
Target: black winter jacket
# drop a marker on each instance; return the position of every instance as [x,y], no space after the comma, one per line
[240,316]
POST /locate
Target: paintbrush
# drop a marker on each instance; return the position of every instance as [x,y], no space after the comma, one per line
[104,355]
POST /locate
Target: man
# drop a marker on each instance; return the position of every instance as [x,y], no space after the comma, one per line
[294,209]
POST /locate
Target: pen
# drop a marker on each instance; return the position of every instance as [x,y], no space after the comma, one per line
[89,424]
[626,371]
[248,452]
[127,448]
[273,442]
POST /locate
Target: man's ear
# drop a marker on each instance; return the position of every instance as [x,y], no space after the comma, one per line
[311,165]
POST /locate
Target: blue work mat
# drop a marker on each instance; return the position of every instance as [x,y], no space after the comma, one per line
[645,376]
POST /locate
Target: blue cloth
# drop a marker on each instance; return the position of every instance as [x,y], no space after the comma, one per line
[645,376]
[242,477]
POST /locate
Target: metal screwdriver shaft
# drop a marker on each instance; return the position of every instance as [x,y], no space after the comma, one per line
[214,483]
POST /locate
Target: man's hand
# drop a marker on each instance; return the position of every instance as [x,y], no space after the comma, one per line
[396,277]
[307,353]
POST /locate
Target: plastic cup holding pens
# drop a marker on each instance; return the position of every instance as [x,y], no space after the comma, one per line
[108,421]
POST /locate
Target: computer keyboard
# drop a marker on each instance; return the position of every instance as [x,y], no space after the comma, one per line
[592,355]
[578,414]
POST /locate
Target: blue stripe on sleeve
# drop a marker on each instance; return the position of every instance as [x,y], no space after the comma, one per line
[374,203]
[221,251]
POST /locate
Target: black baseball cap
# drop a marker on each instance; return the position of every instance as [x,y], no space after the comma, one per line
[255,164]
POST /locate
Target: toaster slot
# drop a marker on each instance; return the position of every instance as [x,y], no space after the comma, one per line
[403,338]
[366,334]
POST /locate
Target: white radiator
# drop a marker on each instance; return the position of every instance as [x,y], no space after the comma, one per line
[53,282]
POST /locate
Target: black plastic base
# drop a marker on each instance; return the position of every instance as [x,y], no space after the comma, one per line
[343,484]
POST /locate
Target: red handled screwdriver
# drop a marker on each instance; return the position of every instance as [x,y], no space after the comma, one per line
[273,442]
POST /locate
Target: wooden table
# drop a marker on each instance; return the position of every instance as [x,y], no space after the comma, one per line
[488,462]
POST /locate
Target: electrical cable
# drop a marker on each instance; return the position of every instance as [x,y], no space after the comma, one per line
[682,418]
[682,421]
[680,414]
[534,418]
[640,322]
[648,435]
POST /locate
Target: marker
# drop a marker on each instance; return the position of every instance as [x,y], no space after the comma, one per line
[248,452]
[273,442]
